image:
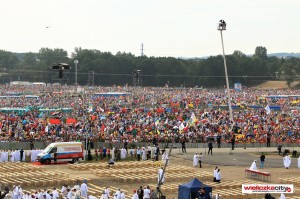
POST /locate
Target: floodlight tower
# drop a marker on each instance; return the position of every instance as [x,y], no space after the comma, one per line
[221,28]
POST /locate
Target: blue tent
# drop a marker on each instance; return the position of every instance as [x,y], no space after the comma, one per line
[190,189]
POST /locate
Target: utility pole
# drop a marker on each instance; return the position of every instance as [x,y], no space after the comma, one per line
[76,62]
[158,190]
[221,28]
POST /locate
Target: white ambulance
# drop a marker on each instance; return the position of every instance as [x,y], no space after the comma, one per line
[62,152]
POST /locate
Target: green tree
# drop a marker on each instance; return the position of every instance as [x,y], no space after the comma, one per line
[260,52]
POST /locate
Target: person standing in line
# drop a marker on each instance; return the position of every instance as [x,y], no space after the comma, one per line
[287,161]
[146,193]
[210,147]
[201,157]
[84,189]
[183,145]
[21,155]
[140,192]
[268,139]
[138,153]
[96,154]
[232,142]
[55,193]
[31,144]
[195,160]
[262,161]
[161,176]
[135,195]
[219,140]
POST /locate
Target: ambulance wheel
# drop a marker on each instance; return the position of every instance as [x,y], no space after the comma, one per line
[48,161]
[75,160]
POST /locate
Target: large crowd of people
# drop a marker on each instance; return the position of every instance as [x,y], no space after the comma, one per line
[57,113]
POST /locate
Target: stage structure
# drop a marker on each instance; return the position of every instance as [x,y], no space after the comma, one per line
[137,77]
[63,74]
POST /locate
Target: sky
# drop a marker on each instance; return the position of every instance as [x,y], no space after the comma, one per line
[175,28]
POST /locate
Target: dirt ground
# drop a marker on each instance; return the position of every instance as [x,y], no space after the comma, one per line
[229,173]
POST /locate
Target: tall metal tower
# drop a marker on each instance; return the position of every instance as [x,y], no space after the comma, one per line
[91,78]
[142,49]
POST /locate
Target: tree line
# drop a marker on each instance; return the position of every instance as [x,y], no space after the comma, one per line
[117,69]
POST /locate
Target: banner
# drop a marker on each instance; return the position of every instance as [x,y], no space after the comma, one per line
[267,188]
[238,87]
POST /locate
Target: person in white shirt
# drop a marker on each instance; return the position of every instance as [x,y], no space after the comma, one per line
[92,197]
[104,195]
[84,189]
[123,195]
[69,195]
[253,166]
[147,193]
[20,192]
[287,161]
[282,196]
[55,193]
[47,195]
[218,176]
[161,176]
[107,191]
[135,195]
[215,173]
[195,160]
[40,194]
[118,193]
[64,190]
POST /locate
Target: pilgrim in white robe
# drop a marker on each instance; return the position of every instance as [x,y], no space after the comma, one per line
[282,196]
[161,176]
[215,173]
[135,196]
[84,190]
[118,194]
[144,155]
[17,155]
[123,195]
[3,156]
[123,153]
[298,163]
[152,149]
[287,161]
[195,160]
[20,192]
[113,153]
[12,156]
[165,157]
[15,193]
[253,166]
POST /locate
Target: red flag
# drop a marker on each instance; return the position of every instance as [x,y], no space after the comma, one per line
[71,121]
[54,121]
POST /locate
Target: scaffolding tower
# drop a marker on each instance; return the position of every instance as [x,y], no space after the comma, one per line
[137,77]
[91,78]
